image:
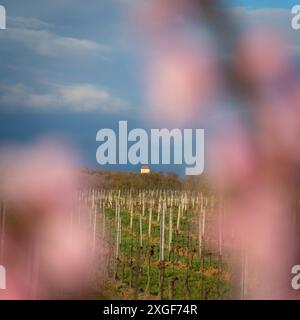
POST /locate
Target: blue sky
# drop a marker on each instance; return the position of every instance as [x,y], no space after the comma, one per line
[262,3]
[71,67]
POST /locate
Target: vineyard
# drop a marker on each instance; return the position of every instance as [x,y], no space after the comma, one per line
[162,244]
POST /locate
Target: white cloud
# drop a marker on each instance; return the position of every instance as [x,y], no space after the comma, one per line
[74,97]
[35,35]
[28,23]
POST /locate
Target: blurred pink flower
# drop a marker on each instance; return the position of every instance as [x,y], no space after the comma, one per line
[156,17]
[46,251]
[43,176]
[263,56]
[232,160]
[180,81]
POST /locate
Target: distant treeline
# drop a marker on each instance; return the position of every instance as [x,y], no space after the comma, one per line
[153,180]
